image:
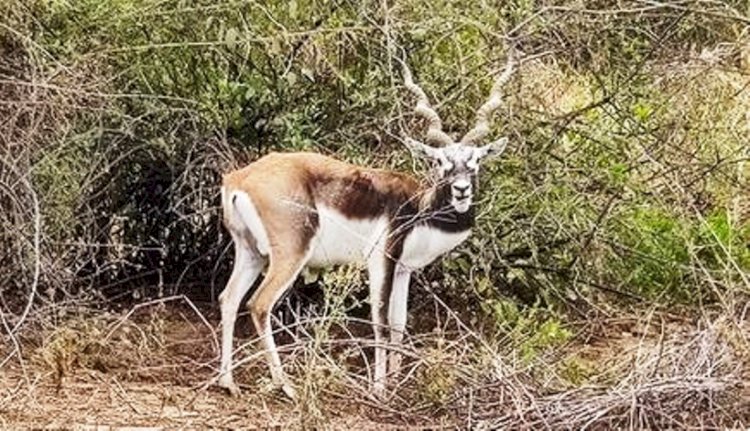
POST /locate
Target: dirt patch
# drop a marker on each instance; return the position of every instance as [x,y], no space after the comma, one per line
[154,367]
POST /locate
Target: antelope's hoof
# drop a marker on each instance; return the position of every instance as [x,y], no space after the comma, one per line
[289,391]
[231,388]
[378,390]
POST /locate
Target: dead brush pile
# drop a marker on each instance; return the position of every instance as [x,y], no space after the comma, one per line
[42,200]
[679,375]
[692,379]
[676,375]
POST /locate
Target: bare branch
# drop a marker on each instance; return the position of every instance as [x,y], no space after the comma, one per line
[37,241]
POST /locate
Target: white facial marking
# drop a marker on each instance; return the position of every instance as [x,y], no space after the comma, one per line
[462,184]
[461,206]
[461,189]
[457,163]
[445,167]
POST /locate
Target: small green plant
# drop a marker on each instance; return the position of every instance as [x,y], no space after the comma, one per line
[577,371]
[532,329]
[722,243]
[437,378]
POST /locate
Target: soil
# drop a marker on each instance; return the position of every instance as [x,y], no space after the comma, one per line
[153,368]
[155,371]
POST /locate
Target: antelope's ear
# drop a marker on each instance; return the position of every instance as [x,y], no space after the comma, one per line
[493,149]
[421,149]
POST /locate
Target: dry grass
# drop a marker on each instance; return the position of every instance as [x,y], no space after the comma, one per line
[155,367]
[690,378]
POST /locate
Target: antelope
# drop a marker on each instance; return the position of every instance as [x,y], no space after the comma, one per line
[289,211]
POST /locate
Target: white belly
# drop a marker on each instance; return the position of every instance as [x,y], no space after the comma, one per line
[341,240]
[425,244]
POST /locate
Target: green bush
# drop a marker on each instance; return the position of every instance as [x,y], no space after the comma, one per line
[652,255]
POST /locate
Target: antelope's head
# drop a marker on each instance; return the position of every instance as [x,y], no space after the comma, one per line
[456,164]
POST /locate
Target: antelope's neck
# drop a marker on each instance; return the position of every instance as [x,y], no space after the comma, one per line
[437,212]
[434,229]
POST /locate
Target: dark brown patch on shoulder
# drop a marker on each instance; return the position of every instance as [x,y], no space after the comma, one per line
[361,199]
[363,194]
[310,225]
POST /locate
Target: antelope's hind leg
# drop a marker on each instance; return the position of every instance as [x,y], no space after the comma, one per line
[282,271]
[248,264]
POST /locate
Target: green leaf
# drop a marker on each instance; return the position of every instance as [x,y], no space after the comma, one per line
[642,111]
[250,93]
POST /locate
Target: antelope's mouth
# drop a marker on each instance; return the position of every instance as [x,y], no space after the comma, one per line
[462,204]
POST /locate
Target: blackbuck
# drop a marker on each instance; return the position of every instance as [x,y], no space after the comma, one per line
[288,211]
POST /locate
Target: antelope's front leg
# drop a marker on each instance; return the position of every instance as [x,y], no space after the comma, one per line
[380,270]
[397,317]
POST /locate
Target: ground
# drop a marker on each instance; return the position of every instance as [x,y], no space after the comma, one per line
[153,366]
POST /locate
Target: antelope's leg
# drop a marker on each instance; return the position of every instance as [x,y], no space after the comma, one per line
[380,270]
[282,271]
[397,316]
[247,266]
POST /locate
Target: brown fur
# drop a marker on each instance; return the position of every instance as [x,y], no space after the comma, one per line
[307,178]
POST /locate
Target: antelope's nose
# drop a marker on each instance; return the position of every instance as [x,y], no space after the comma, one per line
[461,188]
